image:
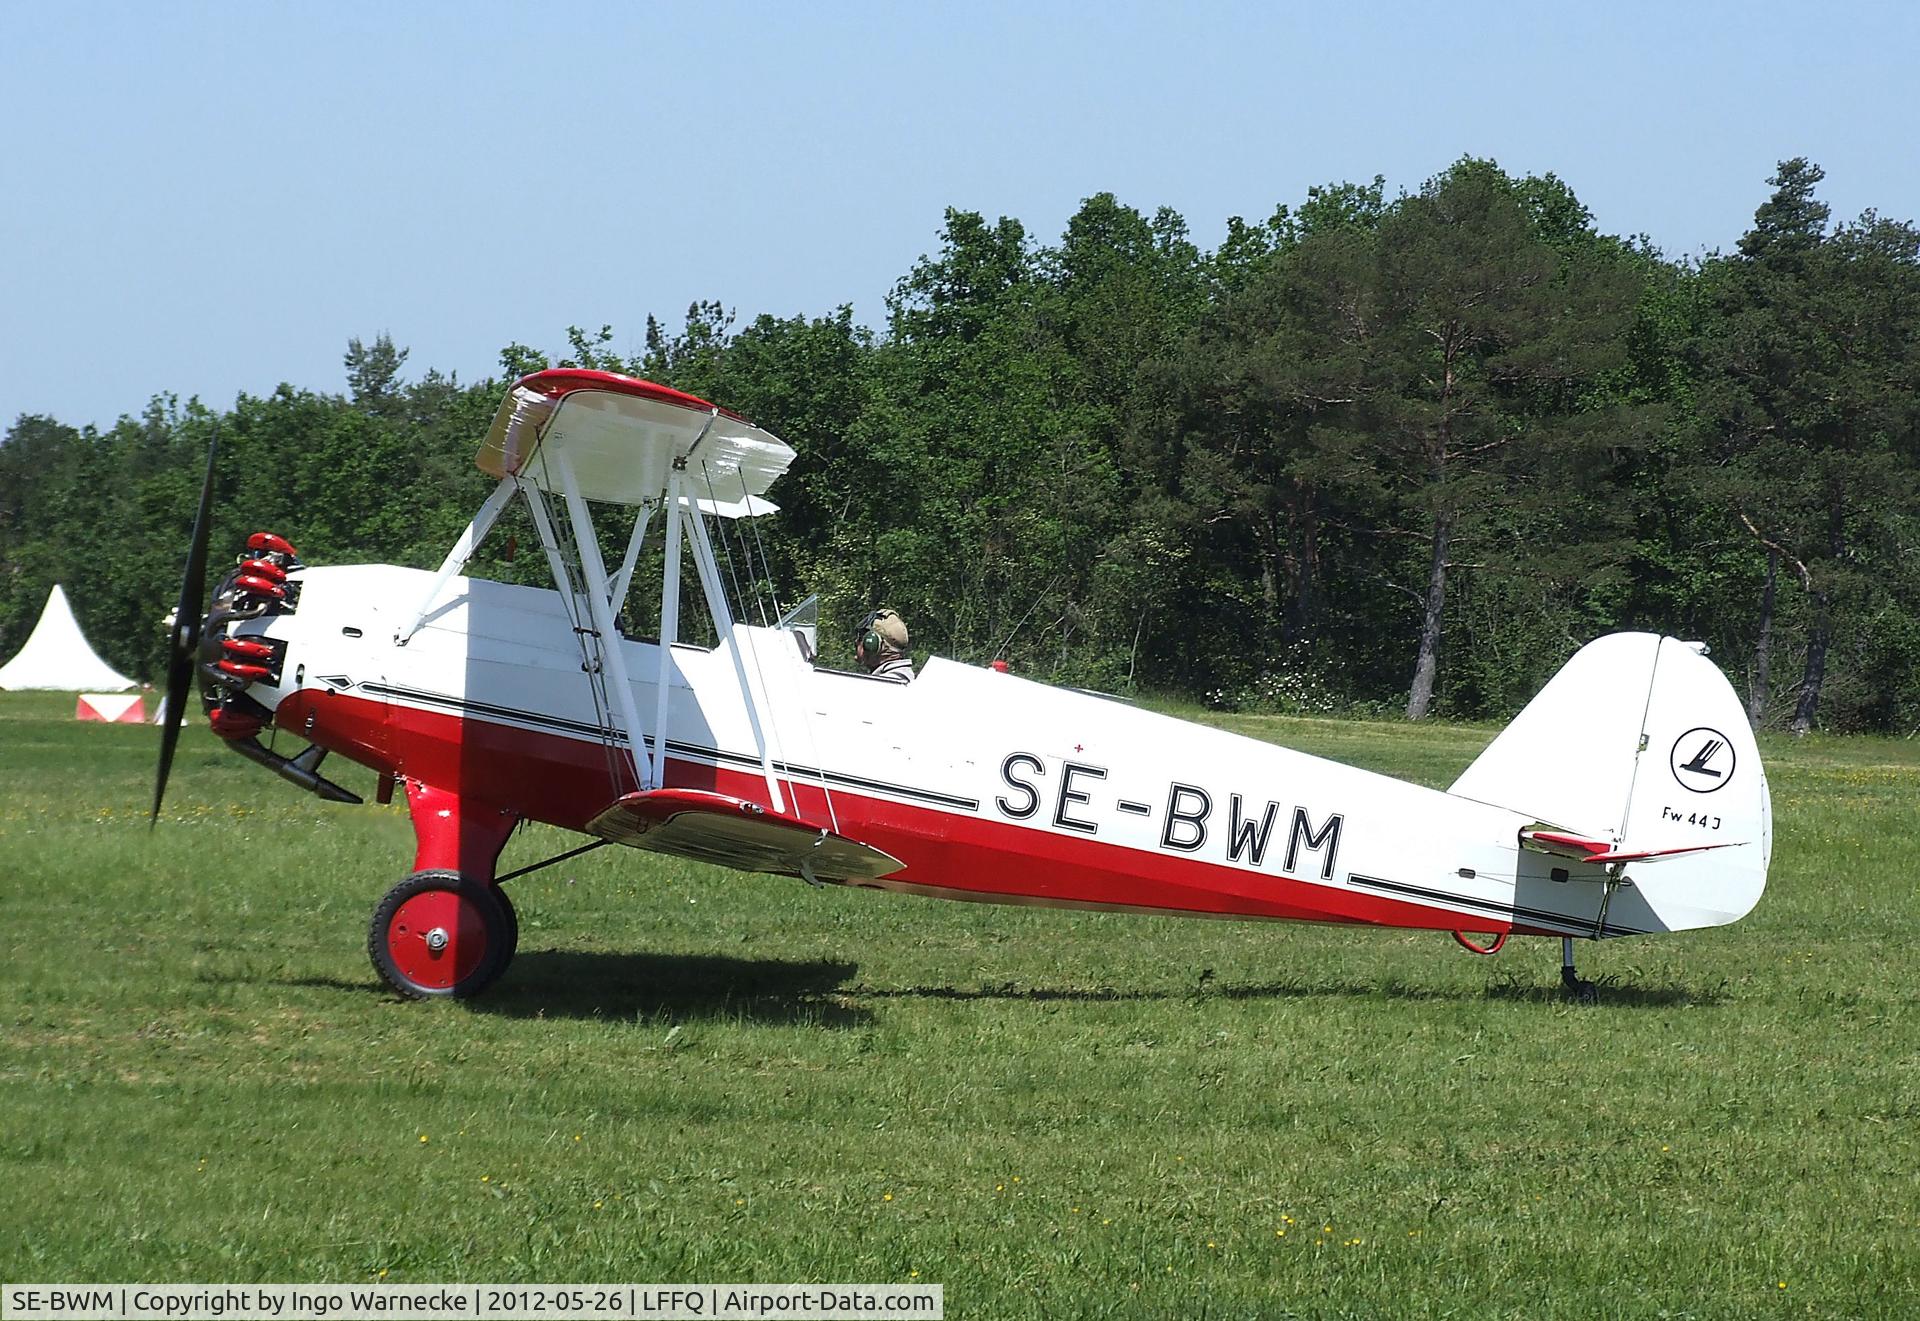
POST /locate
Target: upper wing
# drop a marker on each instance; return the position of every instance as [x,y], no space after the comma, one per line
[624,436]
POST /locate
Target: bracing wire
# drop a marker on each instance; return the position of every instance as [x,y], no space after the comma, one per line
[1001,650]
[777,746]
[721,524]
[806,720]
[587,637]
[765,563]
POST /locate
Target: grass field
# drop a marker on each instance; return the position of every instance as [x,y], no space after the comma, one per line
[690,1075]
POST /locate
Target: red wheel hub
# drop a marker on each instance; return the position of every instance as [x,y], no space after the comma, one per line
[437,938]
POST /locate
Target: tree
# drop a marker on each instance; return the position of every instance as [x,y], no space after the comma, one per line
[1413,448]
[1811,401]
[373,372]
[1428,363]
[952,519]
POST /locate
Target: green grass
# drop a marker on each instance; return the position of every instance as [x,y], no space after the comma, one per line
[690,1075]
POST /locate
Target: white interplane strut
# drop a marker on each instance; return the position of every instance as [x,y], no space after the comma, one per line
[669,626]
[634,543]
[463,551]
[611,644]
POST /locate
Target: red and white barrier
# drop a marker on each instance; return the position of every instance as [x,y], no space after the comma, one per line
[113,708]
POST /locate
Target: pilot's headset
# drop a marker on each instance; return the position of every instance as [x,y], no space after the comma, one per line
[867,637]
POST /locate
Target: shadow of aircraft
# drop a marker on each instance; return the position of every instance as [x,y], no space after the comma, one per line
[679,987]
[559,983]
[1621,995]
[1626,996]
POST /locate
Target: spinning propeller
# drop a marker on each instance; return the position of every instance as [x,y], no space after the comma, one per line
[183,644]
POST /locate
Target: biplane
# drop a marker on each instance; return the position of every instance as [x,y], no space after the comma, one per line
[1627,799]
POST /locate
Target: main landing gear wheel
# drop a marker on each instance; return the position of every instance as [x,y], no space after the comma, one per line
[438,934]
[513,925]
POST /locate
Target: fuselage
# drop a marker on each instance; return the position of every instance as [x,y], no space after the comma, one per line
[983,784]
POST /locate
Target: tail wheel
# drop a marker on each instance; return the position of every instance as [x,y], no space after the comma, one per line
[439,934]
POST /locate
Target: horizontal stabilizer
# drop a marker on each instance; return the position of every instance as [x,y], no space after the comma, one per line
[733,832]
[1580,849]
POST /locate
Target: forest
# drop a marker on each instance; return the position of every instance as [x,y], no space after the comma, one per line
[1381,454]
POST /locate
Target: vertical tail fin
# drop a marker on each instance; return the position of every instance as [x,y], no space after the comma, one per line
[1640,741]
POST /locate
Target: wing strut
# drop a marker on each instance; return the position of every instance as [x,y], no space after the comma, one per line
[611,649]
[457,558]
[591,642]
[618,592]
[669,627]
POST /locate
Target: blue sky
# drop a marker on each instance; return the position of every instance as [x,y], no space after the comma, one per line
[208,199]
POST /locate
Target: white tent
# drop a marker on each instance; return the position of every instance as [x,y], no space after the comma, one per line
[57,655]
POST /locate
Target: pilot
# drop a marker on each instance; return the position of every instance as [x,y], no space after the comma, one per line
[880,644]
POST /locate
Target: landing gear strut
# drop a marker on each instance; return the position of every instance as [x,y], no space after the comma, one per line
[1581,990]
[448,929]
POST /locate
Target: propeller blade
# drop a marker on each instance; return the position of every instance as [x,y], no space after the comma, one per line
[183,646]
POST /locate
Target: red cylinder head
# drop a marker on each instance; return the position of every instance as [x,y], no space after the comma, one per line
[264,569]
[251,582]
[243,671]
[268,542]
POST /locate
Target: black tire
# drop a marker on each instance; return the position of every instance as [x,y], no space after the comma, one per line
[437,934]
[513,925]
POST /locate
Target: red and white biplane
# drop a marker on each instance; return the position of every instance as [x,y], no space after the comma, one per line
[1627,799]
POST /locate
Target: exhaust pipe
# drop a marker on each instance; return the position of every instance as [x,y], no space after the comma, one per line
[303,770]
